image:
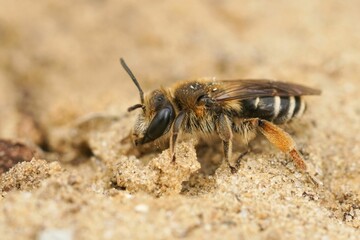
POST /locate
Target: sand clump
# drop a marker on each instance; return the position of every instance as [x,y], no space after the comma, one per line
[160,176]
[28,175]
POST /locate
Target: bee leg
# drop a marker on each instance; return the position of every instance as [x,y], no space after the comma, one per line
[283,141]
[238,160]
[174,133]
[225,133]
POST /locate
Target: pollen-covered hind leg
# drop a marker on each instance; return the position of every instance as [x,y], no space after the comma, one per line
[225,133]
[283,141]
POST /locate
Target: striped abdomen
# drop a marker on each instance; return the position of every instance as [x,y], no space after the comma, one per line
[275,109]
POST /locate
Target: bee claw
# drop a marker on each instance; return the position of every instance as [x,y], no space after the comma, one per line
[238,160]
[313,179]
[233,170]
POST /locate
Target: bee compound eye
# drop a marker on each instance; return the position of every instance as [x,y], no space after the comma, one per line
[159,125]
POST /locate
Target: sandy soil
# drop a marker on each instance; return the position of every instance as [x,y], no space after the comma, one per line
[63,101]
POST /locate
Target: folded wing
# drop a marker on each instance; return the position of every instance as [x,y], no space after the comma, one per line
[248,89]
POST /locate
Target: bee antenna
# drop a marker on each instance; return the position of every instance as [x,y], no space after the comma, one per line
[127,69]
[135,107]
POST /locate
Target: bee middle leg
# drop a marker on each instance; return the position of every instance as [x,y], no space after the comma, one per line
[225,133]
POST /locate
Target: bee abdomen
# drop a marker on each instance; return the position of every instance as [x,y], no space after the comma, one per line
[276,109]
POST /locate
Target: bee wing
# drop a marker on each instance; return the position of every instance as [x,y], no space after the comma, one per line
[246,89]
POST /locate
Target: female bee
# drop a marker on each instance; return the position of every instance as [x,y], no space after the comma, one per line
[224,107]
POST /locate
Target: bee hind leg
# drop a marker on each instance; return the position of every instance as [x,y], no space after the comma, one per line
[283,141]
[225,133]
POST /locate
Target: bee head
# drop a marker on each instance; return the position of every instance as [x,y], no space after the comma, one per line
[157,114]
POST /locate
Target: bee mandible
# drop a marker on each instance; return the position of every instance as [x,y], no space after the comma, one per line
[224,107]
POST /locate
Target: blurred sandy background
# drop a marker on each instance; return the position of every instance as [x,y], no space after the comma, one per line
[59,62]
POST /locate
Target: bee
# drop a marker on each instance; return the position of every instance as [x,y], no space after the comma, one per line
[227,108]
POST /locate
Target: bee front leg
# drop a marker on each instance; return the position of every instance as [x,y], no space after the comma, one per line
[174,133]
[225,133]
[283,141]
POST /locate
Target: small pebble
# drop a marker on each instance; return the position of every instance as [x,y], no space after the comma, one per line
[142,208]
[56,234]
